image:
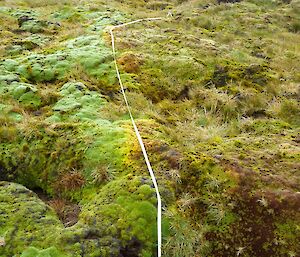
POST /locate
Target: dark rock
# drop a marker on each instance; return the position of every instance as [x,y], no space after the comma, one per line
[132,248]
[23,19]
[183,94]
[220,76]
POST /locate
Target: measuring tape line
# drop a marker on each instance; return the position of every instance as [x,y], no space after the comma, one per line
[153,178]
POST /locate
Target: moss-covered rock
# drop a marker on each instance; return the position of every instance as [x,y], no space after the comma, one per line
[75,97]
[25,220]
[89,52]
[112,222]
[125,210]
[24,93]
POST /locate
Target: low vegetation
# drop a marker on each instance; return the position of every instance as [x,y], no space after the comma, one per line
[214,89]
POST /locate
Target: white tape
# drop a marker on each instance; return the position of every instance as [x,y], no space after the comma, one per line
[159,234]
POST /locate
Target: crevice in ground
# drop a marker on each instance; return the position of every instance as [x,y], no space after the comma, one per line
[66,210]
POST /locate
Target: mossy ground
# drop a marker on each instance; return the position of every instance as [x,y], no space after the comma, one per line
[215,91]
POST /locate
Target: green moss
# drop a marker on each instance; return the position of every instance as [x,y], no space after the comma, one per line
[107,150]
[8,114]
[50,155]
[263,126]
[25,220]
[98,144]
[104,139]
[254,75]
[103,19]
[68,13]
[126,203]
[34,26]
[88,51]
[287,233]
[157,85]
[49,252]
[124,209]
[24,93]
[78,103]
